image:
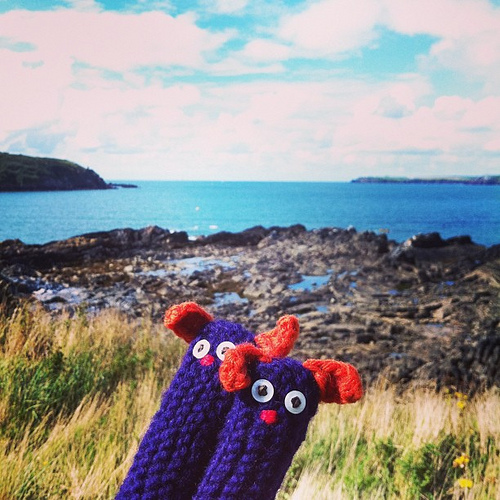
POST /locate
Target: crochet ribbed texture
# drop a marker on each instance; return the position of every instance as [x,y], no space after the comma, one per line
[252,455]
[235,413]
[182,435]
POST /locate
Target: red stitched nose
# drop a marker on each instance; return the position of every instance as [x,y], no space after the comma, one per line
[207,360]
[269,416]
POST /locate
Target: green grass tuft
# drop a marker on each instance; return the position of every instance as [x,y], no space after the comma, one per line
[77,394]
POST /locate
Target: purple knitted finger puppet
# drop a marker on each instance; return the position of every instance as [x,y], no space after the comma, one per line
[275,400]
[182,436]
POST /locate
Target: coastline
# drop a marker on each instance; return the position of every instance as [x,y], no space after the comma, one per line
[21,173]
[201,208]
[421,312]
[483,180]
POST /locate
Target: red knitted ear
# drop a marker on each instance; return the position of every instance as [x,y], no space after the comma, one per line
[338,382]
[233,371]
[186,320]
[279,341]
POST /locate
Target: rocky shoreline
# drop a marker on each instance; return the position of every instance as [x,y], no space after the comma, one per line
[424,312]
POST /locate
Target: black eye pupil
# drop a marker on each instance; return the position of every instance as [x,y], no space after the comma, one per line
[296,402]
[224,350]
[200,348]
[262,390]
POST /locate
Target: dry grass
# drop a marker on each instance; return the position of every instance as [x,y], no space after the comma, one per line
[387,446]
[76,395]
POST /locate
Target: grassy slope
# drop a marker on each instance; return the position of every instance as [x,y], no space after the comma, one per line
[76,394]
[19,173]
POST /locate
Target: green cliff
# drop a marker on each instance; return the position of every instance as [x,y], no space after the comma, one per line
[26,173]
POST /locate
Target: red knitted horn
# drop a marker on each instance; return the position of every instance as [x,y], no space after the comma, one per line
[233,371]
[338,382]
[186,320]
[279,341]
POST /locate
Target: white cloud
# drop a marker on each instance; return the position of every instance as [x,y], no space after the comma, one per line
[49,53]
[331,28]
[441,18]
[104,89]
[236,65]
[467,33]
[227,6]
[238,131]
[84,5]
[111,40]
[260,50]
[448,133]
[271,130]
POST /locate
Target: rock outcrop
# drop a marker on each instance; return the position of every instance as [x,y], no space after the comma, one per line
[423,312]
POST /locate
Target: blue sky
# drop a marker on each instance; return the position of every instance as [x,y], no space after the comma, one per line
[254,90]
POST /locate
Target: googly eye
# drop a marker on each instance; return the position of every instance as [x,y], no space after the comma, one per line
[295,402]
[262,390]
[222,348]
[201,348]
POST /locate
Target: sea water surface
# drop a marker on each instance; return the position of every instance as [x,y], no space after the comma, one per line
[400,210]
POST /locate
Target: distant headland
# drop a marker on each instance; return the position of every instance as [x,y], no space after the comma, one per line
[27,173]
[484,180]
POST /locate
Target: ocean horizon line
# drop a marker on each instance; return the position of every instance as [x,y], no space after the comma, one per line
[383,179]
[205,207]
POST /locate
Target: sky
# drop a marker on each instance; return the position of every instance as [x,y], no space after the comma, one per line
[253,90]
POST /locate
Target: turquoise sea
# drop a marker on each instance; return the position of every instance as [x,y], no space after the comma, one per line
[402,210]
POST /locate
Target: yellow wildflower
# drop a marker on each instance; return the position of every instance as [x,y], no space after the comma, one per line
[465,483]
[461,461]
[461,404]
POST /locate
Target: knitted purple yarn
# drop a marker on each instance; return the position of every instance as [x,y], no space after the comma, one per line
[252,455]
[182,436]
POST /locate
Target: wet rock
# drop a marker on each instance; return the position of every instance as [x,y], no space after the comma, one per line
[8,293]
[365,337]
[401,368]
[249,237]
[431,247]
[430,240]
[423,312]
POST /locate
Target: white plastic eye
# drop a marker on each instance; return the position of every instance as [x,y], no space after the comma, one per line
[262,390]
[222,348]
[295,402]
[201,348]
